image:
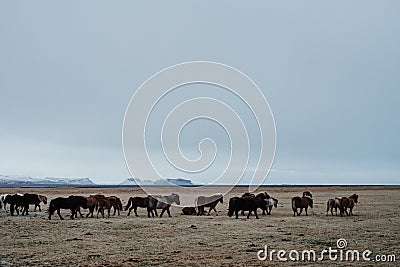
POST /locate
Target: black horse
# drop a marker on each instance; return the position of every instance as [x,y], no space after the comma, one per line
[72,203]
[250,204]
[16,201]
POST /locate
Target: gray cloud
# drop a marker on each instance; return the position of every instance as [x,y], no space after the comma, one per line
[328,70]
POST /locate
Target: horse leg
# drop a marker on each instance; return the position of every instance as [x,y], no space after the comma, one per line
[208,213]
[155,212]
[345,209]
[169,214]
[162,212]
[306,211]
[109,211]
[263,213]
[59,215]
[294,212]
[242,213]
[115,210]
[216,213]
[301,210]
[255,212]
[236,213]
[351,211]
[135,210]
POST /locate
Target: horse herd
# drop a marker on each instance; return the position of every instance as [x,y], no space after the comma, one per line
[247,202]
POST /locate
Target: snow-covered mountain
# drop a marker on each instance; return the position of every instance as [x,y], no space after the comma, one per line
[14,180]
[161,182]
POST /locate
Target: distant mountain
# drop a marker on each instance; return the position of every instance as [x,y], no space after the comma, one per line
[161,182]
[14,180]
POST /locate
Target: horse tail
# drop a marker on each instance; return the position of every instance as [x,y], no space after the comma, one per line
[129,203]
[294,204]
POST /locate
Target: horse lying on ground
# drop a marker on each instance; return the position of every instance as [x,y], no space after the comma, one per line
[142,202]
[164,203]
[201,202]
[348,202]
[250,204]
[301,203]
[72,203]
[189,211]
[333,204]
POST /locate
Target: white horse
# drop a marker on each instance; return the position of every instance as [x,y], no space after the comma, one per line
[270,202]
[165,202]
[2,201]
[332,204]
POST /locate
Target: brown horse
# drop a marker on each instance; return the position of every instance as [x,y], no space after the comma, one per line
[301,203]
[201,202]
[142,202]
[189,211]
[348,202]
[93,203]
[41,199]
[332,204]
[108,203]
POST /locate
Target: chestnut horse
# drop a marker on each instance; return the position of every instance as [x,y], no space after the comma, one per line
[93,203]
[108,203]
[348,202]
[201,202]
[301,203]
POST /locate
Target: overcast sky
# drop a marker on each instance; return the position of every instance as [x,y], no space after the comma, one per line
[330,72]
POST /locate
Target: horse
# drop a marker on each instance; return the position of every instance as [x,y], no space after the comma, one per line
[16,201]
[164,203]
[348,202]
[35,199]
[301,203]
[250,204]
[189,211]
[93,203]
[307,194]
[108,203]
[141,202]
[332,204]
[72,203]
[263,195]
[2,203]
[270,202]
[41,199]
[201,202]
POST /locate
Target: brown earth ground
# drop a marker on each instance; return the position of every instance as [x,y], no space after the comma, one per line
[215,240]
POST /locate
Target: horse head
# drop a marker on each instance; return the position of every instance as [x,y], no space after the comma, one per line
[307,194]
[275,202]
[355,197]
[175,198]
[310,201]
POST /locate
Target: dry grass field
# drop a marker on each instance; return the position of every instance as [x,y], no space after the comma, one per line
[215,240]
